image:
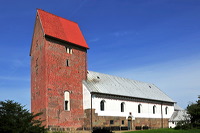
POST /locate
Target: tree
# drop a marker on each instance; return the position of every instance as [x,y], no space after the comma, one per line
[194,111]
[15,119]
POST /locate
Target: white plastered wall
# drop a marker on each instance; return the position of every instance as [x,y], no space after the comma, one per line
[113,107]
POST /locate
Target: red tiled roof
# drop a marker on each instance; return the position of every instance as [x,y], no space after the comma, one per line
[61,28]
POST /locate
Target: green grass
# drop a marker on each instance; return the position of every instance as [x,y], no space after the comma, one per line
[166,131]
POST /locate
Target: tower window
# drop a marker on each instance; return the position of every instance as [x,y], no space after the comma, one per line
[66,101]
[122,107]
[67,63]
[66,105]
[102,105]
[68,50]
[122,122]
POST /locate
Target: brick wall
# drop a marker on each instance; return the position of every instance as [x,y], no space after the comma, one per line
[153,123]
[50,78]
[104,121]
[38,72]
[61,78]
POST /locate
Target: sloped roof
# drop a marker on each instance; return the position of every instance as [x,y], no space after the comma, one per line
[61,28]
[179,115]
[107,84]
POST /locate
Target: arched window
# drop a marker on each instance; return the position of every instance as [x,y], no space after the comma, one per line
[102,105]
[67,101]
[166,110]
[139,108]
[154,109]
[122,106]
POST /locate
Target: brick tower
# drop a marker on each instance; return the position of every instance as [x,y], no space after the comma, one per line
[58,67]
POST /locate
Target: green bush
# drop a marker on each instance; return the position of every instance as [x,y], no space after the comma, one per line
[15,119]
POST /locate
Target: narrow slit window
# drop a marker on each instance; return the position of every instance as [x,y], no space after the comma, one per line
[102,105]
[66,101]
[67,62]
[166,110]
[122,107]
[139,108]
[154,109]
[66,105]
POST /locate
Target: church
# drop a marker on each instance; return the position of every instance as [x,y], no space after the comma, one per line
[73,98]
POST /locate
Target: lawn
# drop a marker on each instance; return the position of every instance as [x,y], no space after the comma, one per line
[166,131]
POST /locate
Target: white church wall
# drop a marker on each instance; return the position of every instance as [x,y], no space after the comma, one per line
[113,107]
[86,98]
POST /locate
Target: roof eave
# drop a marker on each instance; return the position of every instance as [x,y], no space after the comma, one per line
[161,101]
[58,39]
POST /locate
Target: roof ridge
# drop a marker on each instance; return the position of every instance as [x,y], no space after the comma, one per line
[114,85]
[123,78]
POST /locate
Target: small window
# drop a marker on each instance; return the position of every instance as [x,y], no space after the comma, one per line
[149,86]
[166,110]
[66,101]
[122,122]
[68,50]
[102,105]
[67,63]
[154,109]
[66,105]
[139,108]
[122,107]
[111,122]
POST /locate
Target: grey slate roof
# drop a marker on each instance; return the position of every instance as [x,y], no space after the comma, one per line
[107,84]
[179,115]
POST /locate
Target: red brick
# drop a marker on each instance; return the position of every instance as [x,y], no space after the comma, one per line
[50,78]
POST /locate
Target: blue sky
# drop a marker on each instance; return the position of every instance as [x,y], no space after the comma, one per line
[156,41]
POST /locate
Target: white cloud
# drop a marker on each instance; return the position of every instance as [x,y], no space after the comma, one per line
[179,79]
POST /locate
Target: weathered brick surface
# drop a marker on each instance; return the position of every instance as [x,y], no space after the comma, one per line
[153,123]
[61,78]
[38,91]
[50,78]
[104,121]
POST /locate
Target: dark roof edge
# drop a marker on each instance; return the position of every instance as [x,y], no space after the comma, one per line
[55,38]
[160,101]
